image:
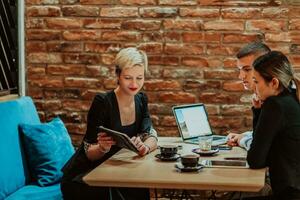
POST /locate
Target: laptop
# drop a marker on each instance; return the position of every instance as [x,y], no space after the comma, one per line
[192,122]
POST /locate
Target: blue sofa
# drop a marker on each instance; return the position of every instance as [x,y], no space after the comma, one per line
[15,179]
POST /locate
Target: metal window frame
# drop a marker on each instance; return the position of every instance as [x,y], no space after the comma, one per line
[8,48]
[12,48]
[21,52]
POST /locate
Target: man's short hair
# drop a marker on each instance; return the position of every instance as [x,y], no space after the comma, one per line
[253,48]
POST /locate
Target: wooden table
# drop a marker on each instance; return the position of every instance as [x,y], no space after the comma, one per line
[126,169]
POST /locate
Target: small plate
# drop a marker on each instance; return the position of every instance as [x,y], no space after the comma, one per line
[206,153]
[188,169]
[163,158]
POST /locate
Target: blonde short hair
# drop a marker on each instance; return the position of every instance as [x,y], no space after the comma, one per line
[130,57]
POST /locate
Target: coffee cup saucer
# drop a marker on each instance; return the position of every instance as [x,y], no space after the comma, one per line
[165,158]
[206,153]
[183,168]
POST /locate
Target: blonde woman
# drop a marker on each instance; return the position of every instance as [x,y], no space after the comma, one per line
[123,109]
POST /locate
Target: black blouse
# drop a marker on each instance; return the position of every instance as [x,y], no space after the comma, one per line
[104,111]
[276,141]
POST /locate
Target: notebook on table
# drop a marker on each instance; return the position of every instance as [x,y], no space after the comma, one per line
[192,122]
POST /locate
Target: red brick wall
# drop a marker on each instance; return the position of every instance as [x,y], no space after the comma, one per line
[70,46]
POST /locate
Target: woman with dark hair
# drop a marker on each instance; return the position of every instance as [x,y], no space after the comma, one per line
[276,124]
[123,109]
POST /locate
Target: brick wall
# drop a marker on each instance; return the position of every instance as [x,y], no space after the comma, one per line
[70,46]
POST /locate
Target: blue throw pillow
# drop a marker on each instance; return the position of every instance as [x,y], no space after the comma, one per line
[48,147]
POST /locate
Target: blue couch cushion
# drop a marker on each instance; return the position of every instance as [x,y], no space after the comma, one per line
[13,167]
[48,147]
[34,192]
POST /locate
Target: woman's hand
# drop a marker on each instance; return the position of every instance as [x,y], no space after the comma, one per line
[256,102]
[104,142]
[142,148]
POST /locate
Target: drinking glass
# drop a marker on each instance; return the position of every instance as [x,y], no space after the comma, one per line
[205,143]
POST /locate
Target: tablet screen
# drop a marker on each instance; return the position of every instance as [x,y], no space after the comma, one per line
[122,140]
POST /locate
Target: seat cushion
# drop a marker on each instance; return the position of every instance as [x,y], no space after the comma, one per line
[48,147]
[34,192]
[13,168]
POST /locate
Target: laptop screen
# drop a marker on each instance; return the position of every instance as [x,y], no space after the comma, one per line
[192,121]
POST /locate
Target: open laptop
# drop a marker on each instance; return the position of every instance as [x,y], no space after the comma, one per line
[192,121]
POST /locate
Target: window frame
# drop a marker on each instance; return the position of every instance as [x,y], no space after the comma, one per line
[19,86]
[21,52]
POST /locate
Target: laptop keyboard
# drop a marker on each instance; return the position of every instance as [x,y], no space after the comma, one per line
[217,140]
[196,140]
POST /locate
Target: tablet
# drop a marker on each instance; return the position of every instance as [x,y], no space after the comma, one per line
[122,140]
[225,163]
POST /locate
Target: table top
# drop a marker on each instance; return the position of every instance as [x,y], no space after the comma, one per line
[127,169]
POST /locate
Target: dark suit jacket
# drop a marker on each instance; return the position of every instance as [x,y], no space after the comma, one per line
[276,141]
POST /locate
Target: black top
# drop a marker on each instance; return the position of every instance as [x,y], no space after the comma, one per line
[276,140]
[104,111]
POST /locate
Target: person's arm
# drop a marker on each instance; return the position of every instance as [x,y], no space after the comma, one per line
[151,142]
[95,118]
[146,146]
[269,122]
[233,138]
[256,114]
[246,140]
[243,140]
[94,151]
[256,107]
